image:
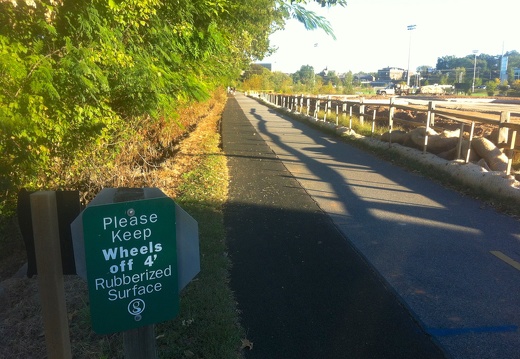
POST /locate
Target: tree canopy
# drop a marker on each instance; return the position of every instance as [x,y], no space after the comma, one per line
[72,73]
[487,66]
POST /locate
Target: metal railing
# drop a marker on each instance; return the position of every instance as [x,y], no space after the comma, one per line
[333,108]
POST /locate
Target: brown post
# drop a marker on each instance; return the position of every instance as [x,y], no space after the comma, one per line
[50,275]
[139,343]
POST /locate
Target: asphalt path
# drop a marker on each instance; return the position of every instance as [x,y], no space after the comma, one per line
[337,254]
[302,290]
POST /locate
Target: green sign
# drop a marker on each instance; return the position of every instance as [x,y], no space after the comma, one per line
[131,262]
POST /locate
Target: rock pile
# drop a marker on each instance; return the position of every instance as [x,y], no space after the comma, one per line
[445,145]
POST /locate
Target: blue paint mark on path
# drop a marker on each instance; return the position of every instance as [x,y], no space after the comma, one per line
[447,332]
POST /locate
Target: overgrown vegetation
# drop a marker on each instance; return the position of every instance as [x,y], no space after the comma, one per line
[100,94]
[77,78]
[208,322]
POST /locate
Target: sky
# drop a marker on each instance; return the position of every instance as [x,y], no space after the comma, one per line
[373,34]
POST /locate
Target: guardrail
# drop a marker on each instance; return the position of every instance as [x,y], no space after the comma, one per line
[334,108]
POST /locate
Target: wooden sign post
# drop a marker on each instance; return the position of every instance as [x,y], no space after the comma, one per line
[50,276]
[137,249]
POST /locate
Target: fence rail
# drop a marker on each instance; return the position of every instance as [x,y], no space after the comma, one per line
[331,108]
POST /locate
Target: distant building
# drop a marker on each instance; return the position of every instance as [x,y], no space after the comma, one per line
[364,78]
[516,73]
[391,74]
[267,65]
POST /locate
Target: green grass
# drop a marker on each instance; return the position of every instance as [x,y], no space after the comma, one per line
[364,128]
[208,324]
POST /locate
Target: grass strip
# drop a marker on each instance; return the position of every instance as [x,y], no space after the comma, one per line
[208,323]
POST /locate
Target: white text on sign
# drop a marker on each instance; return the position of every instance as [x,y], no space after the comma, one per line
[116,225]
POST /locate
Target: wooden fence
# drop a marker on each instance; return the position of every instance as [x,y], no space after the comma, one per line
[332,109]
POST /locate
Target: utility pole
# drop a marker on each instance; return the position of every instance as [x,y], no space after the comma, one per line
[409,27]
[475,52]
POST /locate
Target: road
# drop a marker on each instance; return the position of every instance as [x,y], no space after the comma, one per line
[452,262]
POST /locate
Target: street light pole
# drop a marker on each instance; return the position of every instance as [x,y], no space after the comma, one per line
[409,27]
[475,52]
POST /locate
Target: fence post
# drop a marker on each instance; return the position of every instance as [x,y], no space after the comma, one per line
[316,109]
[373,122]
[391,111]
[472,130]
[431,113]
[326,111]
[361,111]
[350,119]
[44,215]
[428,122]
[308,105]
[459,143]
[503,132]
[511,153]
[337,115]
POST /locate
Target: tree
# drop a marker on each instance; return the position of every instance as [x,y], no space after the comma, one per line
[73,74]
[348,83]
[332,78]
[305,75]
[295,9]
[281,82]
[491,86]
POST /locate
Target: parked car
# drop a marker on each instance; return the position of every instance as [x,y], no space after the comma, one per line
[394,89]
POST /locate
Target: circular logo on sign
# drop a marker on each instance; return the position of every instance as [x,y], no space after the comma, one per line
[136,307]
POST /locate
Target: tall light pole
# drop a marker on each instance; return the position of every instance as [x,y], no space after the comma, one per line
[409,27]
[475,52]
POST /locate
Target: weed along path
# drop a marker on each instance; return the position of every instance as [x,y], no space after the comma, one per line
[338,254]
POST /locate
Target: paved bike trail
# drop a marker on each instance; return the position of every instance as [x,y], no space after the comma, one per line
[452,262]
[303,291]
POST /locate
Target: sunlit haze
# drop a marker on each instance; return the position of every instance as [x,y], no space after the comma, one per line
[372,34]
